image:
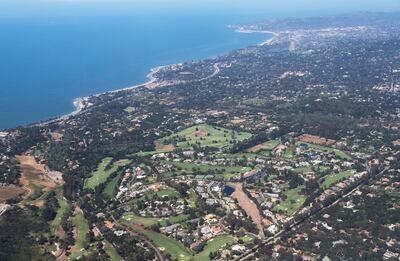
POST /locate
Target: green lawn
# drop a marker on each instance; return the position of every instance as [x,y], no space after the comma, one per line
[309,168]
[81,241]
[111,187]
[170,192]
[206,136]
[338,153]
[192,198]
[242,155]
[61,211]
[293,201]
[212,246]
[332,179]
[247,239]
[149,221]
[129,109]
[288,153]
[176,249]
[302,169]
[204,168]
[111,252]
[102,173]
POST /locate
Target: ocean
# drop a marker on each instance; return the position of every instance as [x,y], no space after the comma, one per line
[45,63]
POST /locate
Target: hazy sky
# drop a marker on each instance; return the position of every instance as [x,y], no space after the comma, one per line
[242,7]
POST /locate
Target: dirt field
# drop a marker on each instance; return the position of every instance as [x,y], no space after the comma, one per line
[249,207]
[33,175]
[56,136]
[315,139]
[164,148]
[256,148]
[9,192]
[237,121]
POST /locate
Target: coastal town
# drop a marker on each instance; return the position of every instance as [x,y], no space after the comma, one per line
[284,151]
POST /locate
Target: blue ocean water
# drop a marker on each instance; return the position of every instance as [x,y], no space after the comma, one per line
[47,62]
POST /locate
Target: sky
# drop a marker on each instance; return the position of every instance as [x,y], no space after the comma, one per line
[10,8]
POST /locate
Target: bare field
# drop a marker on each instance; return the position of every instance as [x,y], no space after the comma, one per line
[164,148]
[249,207]
[33,175]
[315,139]
[9,192]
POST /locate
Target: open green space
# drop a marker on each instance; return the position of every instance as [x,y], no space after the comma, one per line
[129,109]
[111,187]
[242,155]
[338,153]
[212,246]
[189,168]
[169,192]
[268,145]
[247,239]
[332,179]
[302,169]
[149,221]
[111,252]
[192,198]
[176,249]
[81,240]
[288,153]
[294,200]
[204,135]
[256,101]
[61,211]
[104,171]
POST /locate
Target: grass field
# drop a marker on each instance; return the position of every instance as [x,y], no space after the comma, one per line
[212,246]
[192,198]
[288,153]
[111,187]
[110,250]
[247,239]
[192,167]
[332,179]
[174,248]
[269,145]
[338,153]
[129,109]
[102,173]
[308,168]
[206,136]
[81,241]
[61,211]
[293,201]
[149,221]
[302,169]
[170,192]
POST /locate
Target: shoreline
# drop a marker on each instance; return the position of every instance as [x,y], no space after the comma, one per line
[243,30]
[82,103]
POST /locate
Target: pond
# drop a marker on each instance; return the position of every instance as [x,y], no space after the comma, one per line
[228,190]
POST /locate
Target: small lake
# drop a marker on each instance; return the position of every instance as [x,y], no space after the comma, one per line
[228,190]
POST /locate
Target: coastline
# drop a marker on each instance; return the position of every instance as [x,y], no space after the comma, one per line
[252,31]
[82,103]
